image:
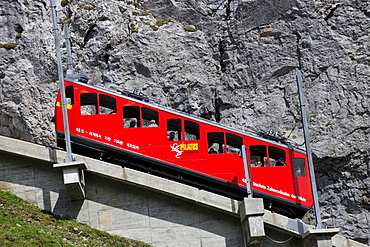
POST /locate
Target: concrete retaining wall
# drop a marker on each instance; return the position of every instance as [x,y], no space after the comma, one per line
[144,207]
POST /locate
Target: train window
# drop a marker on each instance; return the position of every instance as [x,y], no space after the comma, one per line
[299,169]
[174,129]
[131,117]
[88,103]
[258,155]
[191,130]
[233,143]
[69,95]
[107,104]
[150,117]
[277,156]
[215,142]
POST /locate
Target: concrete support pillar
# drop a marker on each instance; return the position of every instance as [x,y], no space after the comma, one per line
[319,237]
[251,217]
[73,176]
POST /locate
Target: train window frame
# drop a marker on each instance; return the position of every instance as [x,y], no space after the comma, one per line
[88,104]
[192,130]
[258,153]
[233,143]
[299,167]
[174,126]
[131,116]
[107,104]
[147,115]
[216,142]
[69,90]
[277,156]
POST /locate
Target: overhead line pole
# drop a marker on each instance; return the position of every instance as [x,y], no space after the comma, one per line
[308,150]
[67,137]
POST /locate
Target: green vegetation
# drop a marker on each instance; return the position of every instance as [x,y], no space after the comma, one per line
[133,28]
[8,46]
[64,3]
[158,23]
[88,8]
[22,224]
[129,2]
[67,20]
[189,29]
[161,22]
[154,28]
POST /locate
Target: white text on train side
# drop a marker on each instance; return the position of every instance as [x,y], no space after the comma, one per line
[106,138]
[79,130]
[118,142]
[132,146]
[284,193]
[90,133]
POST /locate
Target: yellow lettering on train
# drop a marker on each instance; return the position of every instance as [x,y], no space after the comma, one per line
[188,146]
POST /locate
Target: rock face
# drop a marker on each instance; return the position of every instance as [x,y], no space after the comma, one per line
[232,61]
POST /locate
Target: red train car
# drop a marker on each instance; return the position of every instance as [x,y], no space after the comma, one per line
[128,125]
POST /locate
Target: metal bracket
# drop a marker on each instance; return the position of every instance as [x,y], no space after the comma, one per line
[74,179]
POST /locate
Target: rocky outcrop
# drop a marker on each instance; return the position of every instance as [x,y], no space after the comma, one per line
[232,61]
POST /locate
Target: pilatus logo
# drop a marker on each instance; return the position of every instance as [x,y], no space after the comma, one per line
[176,148]
[184,147]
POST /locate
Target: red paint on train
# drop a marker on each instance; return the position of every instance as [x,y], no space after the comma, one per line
[99,117]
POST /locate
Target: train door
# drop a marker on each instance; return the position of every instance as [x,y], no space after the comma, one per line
[98,119]
[99,107]
[223,157]
[270,170]
[142,130]
[71,108]
[184,145]
[302,183]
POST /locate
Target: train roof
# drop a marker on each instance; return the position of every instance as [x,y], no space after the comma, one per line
[82,79]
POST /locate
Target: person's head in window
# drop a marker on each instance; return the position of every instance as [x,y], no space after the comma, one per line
[280,162]
[152,123]
[132,124]
[172,136]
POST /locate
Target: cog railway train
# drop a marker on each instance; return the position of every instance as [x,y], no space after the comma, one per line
[130,130]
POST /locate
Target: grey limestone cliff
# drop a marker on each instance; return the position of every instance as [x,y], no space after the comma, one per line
[231,61]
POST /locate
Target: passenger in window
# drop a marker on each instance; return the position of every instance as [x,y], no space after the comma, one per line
[259,164]
[280,162]
[172,136]
[132,124]
[212,151]
[153,123]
